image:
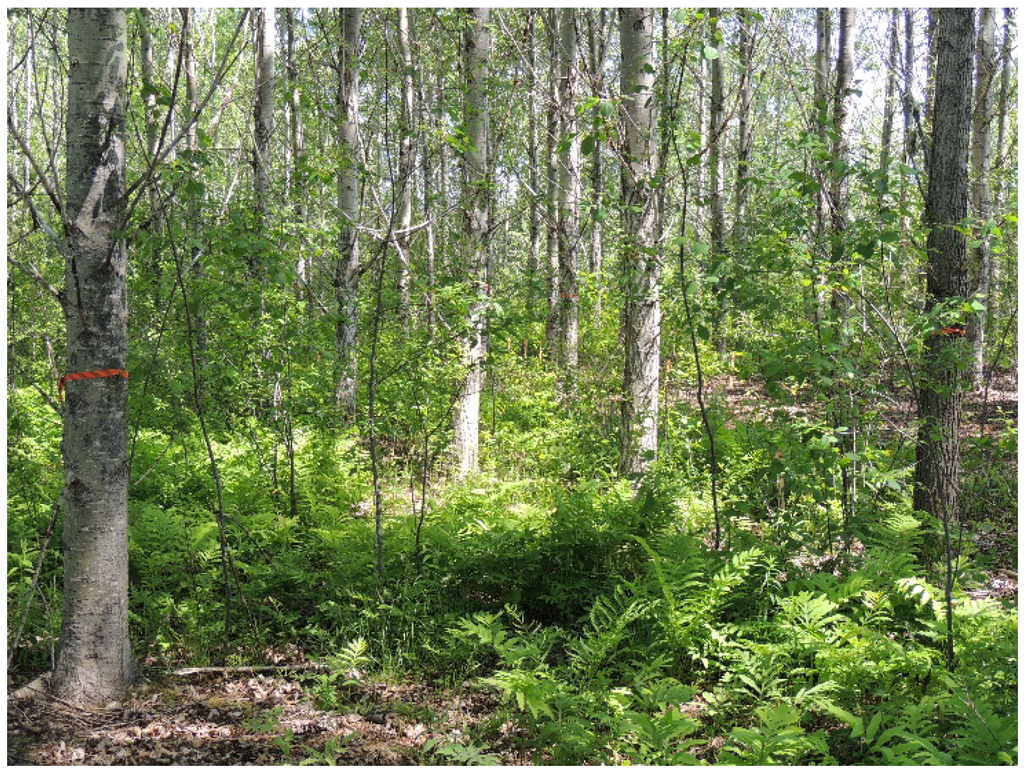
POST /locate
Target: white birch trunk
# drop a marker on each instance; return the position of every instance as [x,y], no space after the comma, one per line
[641,268]
[94,663]
[568,200]
[346,275]
[476,208]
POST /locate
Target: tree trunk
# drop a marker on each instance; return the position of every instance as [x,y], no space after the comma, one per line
[598,49]
[346,272]
[533,156]
[641,269]
[568,199]
[889,105]
[981,194]
[424,98]
[194,200]
[263,112]
[405,163]
[299,179]
[716,182]
[95,663]
[845,415]
[551,334]
[822,73]
[743,138]
[476,207]
[937,473]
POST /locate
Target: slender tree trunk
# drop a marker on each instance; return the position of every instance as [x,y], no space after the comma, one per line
[532,154]
[299,179]
[641,268]
[551,333]
[716,183]
[346,272]
[405,165]
[194,201]
[476,208]
[909,125]
[95,663]
[263,112]
[845,413]
[152,138]
[743,137]
[937,474]
[597,35]
[427,172]
[568,200]
[981,193]
[999,188]
[822,73]
[889,105]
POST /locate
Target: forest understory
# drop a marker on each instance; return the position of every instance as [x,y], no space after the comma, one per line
[294,709]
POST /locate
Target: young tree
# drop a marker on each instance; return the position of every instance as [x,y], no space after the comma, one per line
[405,166]
[597,45]
[95,663]
[263,112]
[568,198]
[981,193]
[346,270]
[641,266]
[937,472]
[476,208]
[716,183]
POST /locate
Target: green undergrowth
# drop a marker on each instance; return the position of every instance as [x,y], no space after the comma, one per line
[601,613]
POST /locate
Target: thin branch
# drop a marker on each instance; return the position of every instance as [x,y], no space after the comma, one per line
[28,269]
[47,186]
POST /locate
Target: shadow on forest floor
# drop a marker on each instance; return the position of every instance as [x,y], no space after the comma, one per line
[236,717]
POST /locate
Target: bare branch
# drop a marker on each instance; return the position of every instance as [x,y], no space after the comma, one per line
[47,185]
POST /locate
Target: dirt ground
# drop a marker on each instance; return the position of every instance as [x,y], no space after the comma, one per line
[249,718]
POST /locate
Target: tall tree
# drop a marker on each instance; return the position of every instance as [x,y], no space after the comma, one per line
[297,177]
[346,270]
[641,266]
[597,44]
[476,52]
[716,183]
[533,150]
[981,192]
[568,197]
[889,106]
[822,73]
[551,335]
[745,20]
[937,472]
[405,166]
[263,112]
[95,663]
[845,414]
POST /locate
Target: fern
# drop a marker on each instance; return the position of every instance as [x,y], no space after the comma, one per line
[692,601]
[981,736]
[608,625]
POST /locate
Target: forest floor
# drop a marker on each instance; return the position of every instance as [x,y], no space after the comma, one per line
[235,716]
[239,718]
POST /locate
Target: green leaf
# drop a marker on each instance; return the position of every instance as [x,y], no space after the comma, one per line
[691,289]
[710,52]
[607,108]
[588,144]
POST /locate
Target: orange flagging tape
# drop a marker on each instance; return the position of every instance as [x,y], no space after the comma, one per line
[89,375]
